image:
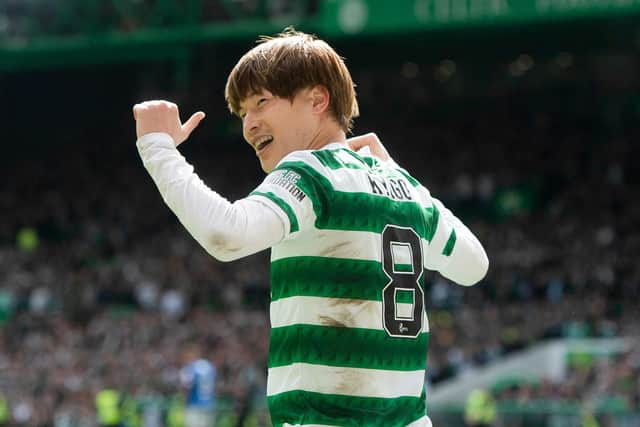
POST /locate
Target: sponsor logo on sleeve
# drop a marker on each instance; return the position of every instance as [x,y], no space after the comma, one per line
[287,180]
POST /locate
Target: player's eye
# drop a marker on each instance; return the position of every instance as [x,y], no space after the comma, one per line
[262,101]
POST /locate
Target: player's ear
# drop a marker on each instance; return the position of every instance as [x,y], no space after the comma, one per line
[320,99]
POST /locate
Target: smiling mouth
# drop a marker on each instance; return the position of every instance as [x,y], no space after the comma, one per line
[263,144]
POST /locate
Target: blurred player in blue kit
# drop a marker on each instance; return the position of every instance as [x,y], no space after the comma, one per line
[198,378]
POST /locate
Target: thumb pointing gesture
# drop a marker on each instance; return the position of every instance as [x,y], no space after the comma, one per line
[191,124]
[164,116]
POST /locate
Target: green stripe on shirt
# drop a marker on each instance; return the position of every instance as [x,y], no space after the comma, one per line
[448,248]
[433,216]
[328,277]
[293,221]
[305,407]
[347,347]
[368,212]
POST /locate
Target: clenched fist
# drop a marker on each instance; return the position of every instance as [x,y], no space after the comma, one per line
[163,116]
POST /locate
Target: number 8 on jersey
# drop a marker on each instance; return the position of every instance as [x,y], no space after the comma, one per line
[402,297]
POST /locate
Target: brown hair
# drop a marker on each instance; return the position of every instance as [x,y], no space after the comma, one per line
[289,62]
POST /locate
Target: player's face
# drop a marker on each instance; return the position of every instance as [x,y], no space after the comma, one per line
[276,126]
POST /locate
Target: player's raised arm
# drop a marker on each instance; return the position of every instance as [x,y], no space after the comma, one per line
[226,230]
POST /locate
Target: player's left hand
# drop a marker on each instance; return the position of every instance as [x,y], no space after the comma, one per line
[164,116]
[372,141]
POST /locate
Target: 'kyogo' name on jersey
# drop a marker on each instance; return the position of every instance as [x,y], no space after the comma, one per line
[397,189]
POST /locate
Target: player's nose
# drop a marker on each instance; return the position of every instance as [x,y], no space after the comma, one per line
[250,124]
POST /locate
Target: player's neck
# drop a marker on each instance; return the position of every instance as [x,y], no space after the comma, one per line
[329,133]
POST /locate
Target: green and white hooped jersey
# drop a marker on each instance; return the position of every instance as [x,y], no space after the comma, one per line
[349,329]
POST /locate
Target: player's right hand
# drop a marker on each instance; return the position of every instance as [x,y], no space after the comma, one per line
[163,116]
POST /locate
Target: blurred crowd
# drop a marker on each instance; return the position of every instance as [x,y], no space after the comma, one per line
[597,391]
[102,287]
[52,366]
[24,20]
[606,381]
